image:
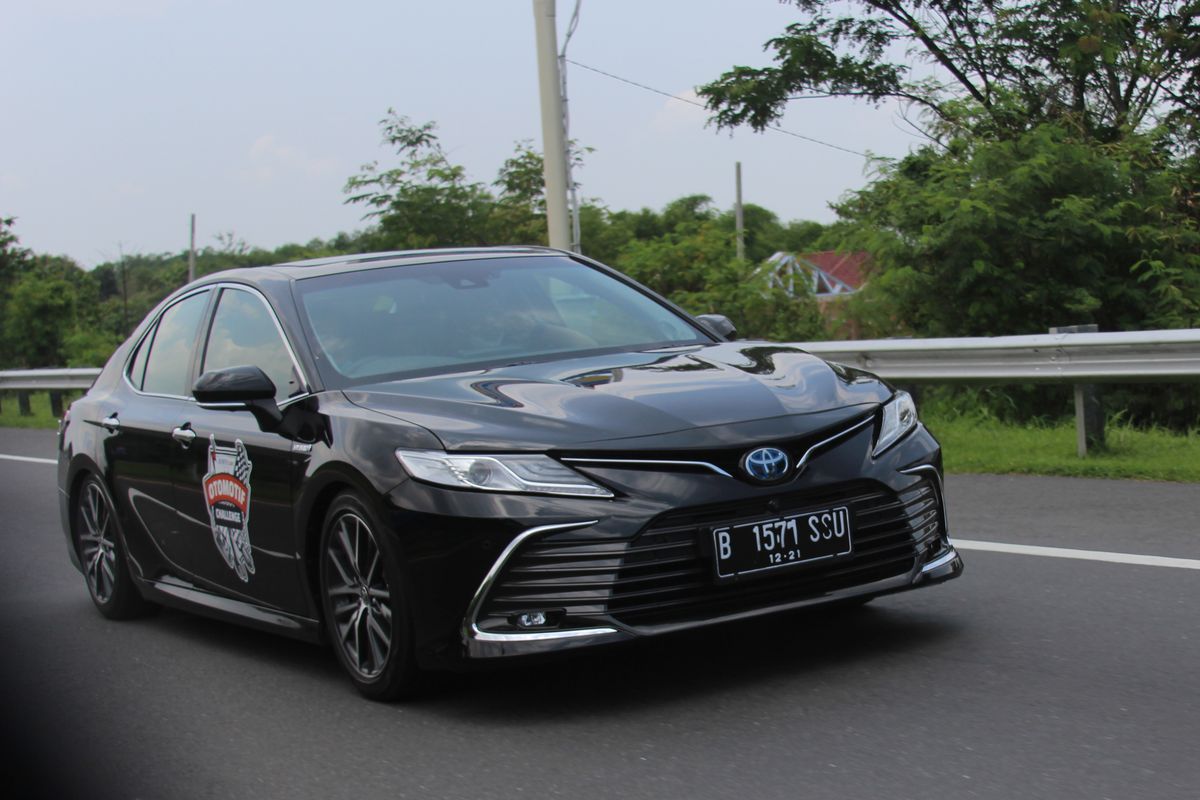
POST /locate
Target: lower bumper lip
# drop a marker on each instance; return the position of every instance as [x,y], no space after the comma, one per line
[482,644]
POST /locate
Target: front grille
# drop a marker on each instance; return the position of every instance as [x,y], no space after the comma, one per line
[663,576]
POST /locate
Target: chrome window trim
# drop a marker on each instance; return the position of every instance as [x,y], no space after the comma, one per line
[234,406]
[152,328]
[307,384]
[471,630]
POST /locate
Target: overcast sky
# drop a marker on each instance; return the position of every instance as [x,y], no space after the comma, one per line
[121,117]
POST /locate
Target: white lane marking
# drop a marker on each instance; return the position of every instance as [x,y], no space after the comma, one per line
[1082,555]
[30,459]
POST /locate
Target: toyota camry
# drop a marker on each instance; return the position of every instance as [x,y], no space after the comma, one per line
[436,457]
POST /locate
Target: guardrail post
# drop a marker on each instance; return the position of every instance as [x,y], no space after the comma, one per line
[23,404]
[56,404]
[1089,414]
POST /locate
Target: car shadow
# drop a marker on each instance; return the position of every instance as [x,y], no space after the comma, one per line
[298,658]
[795,647]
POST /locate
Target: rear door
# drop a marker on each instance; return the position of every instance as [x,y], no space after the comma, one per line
[235,483]
[140,450]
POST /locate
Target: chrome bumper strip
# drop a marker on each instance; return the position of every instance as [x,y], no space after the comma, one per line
[471,632]
[940,561]
[539,636]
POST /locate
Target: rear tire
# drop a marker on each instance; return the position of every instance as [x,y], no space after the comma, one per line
[101,552]
[362,595]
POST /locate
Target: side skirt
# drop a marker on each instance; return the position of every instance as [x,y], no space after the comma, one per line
[176,593]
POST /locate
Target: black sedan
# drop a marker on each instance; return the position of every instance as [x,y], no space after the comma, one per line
[440,456]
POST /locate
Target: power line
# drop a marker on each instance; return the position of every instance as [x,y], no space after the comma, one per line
[701,105]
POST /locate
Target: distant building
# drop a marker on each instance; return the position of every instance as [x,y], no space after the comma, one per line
[828,274]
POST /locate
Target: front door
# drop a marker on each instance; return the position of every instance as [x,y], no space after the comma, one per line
[235,484]
[234,492]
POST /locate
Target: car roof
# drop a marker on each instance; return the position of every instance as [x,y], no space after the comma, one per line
[314,267]
[332,265]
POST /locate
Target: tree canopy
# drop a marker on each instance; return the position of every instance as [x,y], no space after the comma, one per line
[1110,67]
[996,237]
[1060,182]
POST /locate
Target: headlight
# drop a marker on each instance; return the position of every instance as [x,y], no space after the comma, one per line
[517,473]
[899,417]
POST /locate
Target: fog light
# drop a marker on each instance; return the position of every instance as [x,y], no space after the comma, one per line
[533,619]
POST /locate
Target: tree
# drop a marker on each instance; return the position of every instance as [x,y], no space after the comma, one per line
[1110,67]
[695,265]
[1025,233]
[424,201]
[519,215]
[14,262]
[39,313]
[13,258]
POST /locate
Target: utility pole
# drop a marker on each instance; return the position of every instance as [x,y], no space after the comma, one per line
[124,292]
[737,215]
[192,253]
[554,145]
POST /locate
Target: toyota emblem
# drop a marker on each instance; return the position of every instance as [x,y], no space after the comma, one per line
[766,464]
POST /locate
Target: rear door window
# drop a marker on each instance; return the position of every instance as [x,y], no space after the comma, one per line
[168,365]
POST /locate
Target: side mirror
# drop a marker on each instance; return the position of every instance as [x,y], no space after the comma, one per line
[718,324]
[240,388]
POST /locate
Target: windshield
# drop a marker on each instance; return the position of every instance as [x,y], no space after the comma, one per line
[396,322]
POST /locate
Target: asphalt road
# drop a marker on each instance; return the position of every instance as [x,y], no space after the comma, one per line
[1029,677]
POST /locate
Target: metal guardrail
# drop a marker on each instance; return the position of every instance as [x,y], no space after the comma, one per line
[1067,358]
[1044,358]
[75,379]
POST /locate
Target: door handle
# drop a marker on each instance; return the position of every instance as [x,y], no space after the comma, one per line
[183,435]
[111,423]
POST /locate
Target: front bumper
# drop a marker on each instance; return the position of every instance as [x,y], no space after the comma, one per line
[602,590]
[941,567]
[600,570]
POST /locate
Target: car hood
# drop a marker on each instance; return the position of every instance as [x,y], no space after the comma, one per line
[693,397]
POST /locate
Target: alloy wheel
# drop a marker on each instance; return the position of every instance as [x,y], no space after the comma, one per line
[358,595]
[97,543]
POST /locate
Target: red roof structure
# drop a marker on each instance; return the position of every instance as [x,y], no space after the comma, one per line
[845,267]
[827,273]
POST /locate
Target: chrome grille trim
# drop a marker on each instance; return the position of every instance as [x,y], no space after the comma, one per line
[471,630]
[649,462]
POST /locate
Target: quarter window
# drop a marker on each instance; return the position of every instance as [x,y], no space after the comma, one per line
[167,366]
[137,368]
[244,334]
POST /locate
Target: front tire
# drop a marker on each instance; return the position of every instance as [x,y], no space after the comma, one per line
[362,597]
[102,555]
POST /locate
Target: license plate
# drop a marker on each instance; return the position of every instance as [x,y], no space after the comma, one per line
[748,547]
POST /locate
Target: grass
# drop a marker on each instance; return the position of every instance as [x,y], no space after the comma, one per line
[969,443]
[987,445]
[39,404]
